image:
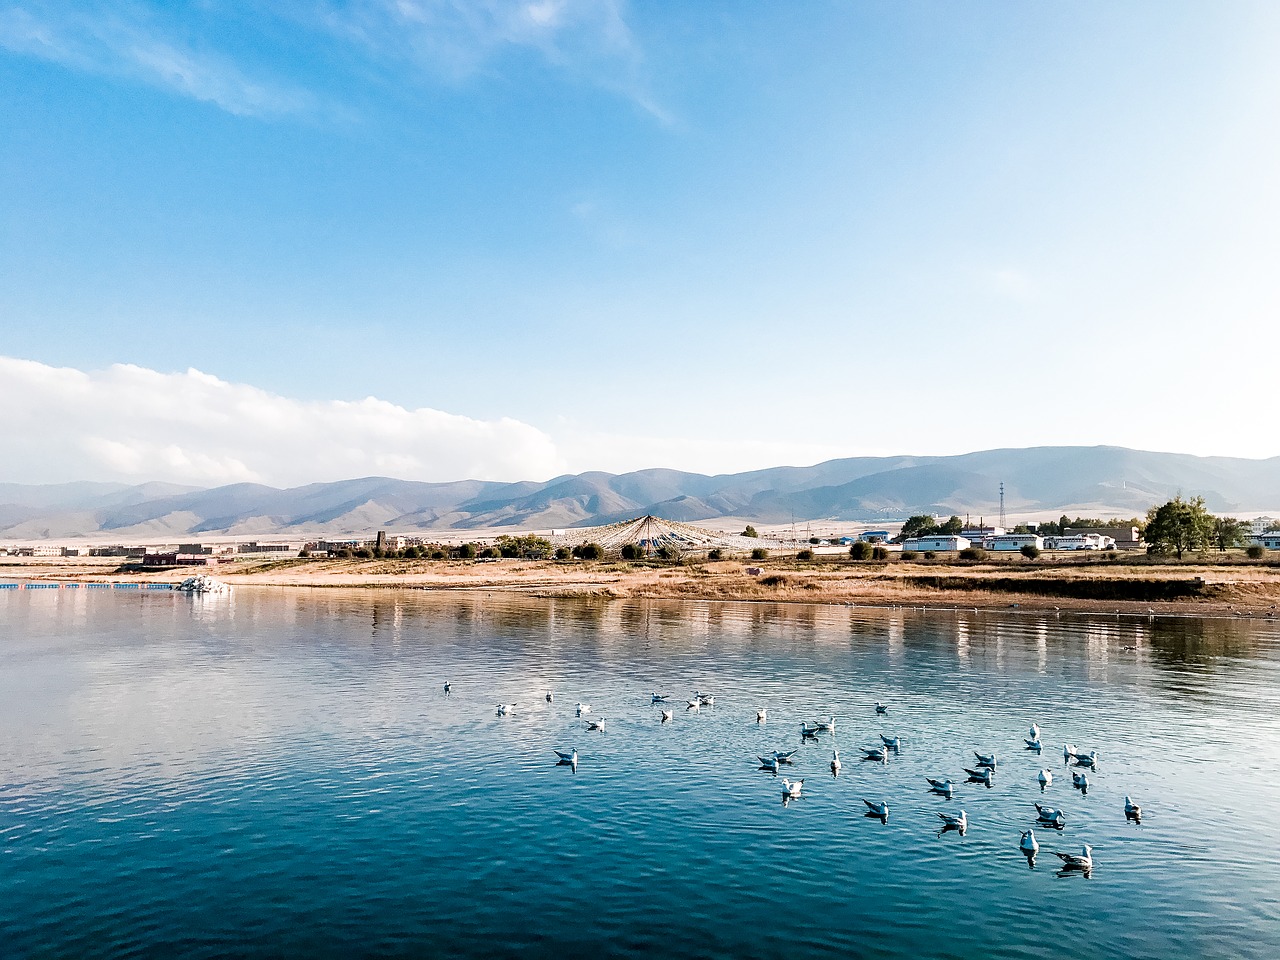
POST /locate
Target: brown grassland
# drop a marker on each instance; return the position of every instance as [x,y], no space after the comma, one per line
[1209,585]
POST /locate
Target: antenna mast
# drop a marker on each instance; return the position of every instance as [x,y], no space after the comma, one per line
[1003,522]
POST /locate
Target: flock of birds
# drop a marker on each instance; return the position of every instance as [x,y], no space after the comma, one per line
[983,772]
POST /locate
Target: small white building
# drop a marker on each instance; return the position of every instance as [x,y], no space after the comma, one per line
[1014,541]
[939,542]
[1258,525]
[1080,541]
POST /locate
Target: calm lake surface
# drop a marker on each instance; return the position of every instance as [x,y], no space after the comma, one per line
[279,773]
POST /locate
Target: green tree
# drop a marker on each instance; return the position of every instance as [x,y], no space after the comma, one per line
[1030,551]
[879,552]
[588,551]
[951,527]
[529,547]
[750,531]
[466,551]
[563,553]
[759,553]
[861,551]
[921,525]
[632,551]
[1179,525]
[715,554]
[805,555]
[1228,532]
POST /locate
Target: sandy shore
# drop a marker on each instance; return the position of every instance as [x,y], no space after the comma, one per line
[1128,587]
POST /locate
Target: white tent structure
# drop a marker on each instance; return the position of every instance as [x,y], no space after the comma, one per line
[653,533]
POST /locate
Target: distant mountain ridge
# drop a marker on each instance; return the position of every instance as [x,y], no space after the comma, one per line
[1094,480]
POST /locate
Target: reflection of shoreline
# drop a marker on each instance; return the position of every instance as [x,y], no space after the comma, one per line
[1234,591]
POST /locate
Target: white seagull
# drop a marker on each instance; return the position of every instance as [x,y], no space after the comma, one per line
[666,715]
[1034,745]
[1050,815]
[1131,809]
[1034,732]
[582,708]
[658,697]
[986,759]
[448,687]
[1068,751]
[893,743]
[762,715]
[1028,844]
[1045,778]
[784,757]
[1089,759]
[878,754]
[956,822]
[943,787]
[791,789]
[768,763]
[981,775]
[881,707]
[807,731]
[1077,861]
[550,696]
[571,757]
[1080,780]
[705,699]
[878,807]
[694,704]
[596,725]
[505,708]
[825,726]
[835,763]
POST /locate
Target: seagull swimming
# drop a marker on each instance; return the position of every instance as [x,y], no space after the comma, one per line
[762,715]
[807,731]
[694,704]
[881,707]
[879,754]
[1034,732]
[505,708]
[705,699]
[448,687]
[1068,751]
[1028,844]
[825,726]
[666,715]
[1089,759]
[768,763]
[879,808]
[1050,815]
[550,696]
[1033,745]
[981,775]
[784,757]
[583,708]
[791,789]
[986,759]
[835,763]
[596,725]
[571,757]
[1045,778]
[1077,861]
[955,822]
[658,697]
[893,743]
[1131,809]
[943,787]
[1080,780]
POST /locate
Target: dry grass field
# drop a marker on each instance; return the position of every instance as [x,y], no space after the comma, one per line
[1134,585]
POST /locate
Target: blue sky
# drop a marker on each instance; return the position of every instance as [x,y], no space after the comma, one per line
[711,236]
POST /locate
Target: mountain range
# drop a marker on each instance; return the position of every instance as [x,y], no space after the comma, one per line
[1106,481]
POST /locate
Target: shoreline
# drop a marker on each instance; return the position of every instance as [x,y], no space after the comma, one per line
[1195,589]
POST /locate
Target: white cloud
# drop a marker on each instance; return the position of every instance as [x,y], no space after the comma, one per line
[133,424]
[123,42]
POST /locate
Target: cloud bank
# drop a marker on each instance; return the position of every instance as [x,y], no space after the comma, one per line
[131,424]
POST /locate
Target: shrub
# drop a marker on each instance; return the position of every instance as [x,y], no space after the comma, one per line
[364,553]
[588,551]
[805,555]
[438,554]
[973,553]
[908,554]
[759,553]
[879,553]
[1030,551]
[466,552]
[563,553]
[930,555]
[632,551]
[490,553]
[860,551]
[303,554]
[773,580]
[750,531]
[667,552]
[1255,551]
[815,540]
[716,554]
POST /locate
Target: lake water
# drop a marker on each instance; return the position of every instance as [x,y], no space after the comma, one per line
[279,773]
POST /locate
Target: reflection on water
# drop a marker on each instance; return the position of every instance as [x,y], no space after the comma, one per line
[281,773]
